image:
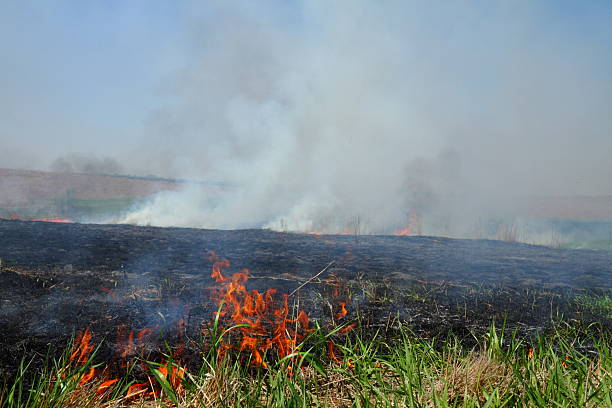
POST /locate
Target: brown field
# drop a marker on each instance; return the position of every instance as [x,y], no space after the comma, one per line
[20,187]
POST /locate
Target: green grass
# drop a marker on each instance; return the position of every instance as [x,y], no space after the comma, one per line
[73,208]
[372,370]
[598,305]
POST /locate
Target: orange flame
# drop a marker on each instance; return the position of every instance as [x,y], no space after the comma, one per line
[88,376]
[55,219]
[125,341]
[331,353]
[126,347]
[261,320]
[175,378]
[105,386]
[136,390]
[412,226]
[564,363]
[82,348]
[342,311]
[260,323]
[217,265]
[348,328]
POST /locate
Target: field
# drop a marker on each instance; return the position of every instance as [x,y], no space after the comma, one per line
[392,321]
[30,194]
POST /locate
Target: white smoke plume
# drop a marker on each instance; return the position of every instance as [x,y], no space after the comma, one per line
[323,116]
[313,116]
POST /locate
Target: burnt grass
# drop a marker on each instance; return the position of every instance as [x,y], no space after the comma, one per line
[57,279]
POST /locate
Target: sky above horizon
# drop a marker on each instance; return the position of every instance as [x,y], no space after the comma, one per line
[140,81]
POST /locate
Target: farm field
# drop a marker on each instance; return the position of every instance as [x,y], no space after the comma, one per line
[28,194]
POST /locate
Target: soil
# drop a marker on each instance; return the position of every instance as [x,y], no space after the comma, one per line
[61,278]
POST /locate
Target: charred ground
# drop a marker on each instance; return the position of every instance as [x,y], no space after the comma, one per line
[60,278]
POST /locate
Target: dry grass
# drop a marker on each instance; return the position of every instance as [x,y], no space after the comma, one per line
[472,377]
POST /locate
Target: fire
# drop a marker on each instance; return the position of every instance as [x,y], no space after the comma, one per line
[17,217]
[82,348]
[136,390]
[261,320]
[55,219]
[175,377]
[217,265]
[106,385]
[88,377]
[331,353]
[413,227]
[342,311]
[81,352]
[346,230]
[256,326]
[564,363]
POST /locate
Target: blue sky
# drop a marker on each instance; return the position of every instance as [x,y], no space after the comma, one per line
[84,69]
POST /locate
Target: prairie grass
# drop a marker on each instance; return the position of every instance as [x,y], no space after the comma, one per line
[371,370]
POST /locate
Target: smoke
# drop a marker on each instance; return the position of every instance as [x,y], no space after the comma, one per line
[82,163]
[323,116]
[305,113]
[349,115]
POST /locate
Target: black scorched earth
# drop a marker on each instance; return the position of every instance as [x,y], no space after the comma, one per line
[56,279]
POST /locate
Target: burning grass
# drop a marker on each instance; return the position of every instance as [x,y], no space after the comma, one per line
[258,351]
[370,371]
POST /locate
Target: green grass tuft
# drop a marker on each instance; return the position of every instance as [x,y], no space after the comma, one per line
[370,371]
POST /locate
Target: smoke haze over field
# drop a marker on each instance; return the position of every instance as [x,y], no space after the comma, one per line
[322,115]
